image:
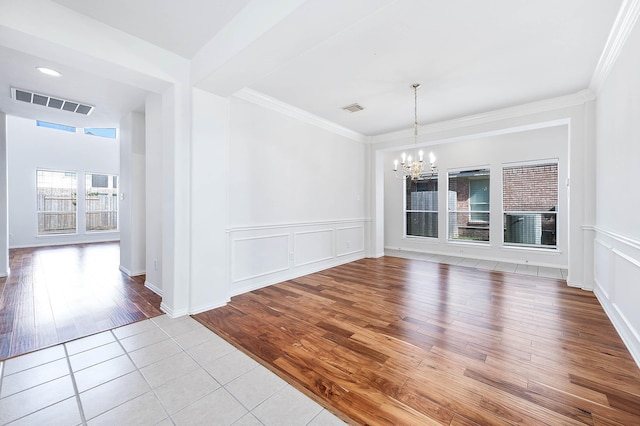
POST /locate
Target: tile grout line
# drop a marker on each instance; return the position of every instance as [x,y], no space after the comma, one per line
[75,386]
[126,352]
[39,384]
[222,386]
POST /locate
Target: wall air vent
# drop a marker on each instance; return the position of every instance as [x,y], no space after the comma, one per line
[353,108]
[51,102]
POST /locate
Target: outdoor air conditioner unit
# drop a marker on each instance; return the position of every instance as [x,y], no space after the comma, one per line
[525,229]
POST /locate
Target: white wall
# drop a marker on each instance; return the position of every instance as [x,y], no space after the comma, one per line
[296,200]
[132,194]
[4,208]
[549,143]
[153,192]
[571,110]
[131,61]
[30,148]
[176,199]
[209,201]
[617,230]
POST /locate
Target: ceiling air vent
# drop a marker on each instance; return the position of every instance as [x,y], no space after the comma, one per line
[51,102]
[353,108]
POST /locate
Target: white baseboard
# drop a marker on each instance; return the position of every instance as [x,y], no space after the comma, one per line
[208,307]
[577,284]
[173,313]
[626,333]
[250,285]
[264,255]
[131,273]
[616,275]
[153,288]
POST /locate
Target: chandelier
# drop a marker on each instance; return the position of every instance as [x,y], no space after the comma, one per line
[413,166]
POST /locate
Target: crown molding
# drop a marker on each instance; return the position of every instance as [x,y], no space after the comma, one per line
[622,27]
[552,104]
[263,100]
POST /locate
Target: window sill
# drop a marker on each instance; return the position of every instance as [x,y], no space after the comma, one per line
[554,251]
[421,239]
[470,243]
[70,234]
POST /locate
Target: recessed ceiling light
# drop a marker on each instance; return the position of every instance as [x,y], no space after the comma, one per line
[49,71]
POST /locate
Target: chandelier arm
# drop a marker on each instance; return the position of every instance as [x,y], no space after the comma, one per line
[413,166]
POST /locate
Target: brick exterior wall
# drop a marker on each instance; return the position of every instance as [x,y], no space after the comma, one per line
[461,226]
[530,188]
[525,188]
[460,185]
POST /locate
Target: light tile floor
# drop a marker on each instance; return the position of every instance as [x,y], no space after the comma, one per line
[166,371]
[517,268]
[160,371]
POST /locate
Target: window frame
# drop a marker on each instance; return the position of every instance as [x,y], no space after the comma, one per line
[101,132]
[524,246]
[38,211]
[449,239]
[87,211]
[405,211]
[56,126]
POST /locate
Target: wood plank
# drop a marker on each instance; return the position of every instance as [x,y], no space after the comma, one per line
[56,294]
[398,341]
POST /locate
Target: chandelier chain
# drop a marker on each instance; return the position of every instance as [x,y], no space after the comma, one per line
[413,167]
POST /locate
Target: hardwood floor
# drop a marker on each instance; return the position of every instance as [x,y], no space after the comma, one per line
[399,341]
[61,293]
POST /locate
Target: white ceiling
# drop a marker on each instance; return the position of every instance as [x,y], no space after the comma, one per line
[181,27]
[319,55]
[112,99]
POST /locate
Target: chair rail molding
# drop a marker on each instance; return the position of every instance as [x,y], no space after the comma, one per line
[262,255]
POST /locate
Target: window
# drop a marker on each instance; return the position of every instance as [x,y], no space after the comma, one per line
[55,126]
[56,204]
[105,132]
[468,203]
[101,200]
[530,201]
[421,207]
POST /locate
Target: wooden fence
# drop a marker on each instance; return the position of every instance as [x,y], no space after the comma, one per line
[57,214]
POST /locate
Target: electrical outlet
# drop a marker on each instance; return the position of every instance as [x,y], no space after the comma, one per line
[155,264]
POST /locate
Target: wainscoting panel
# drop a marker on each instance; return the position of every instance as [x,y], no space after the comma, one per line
[313,246]
[617,284]
[257,256]
[602,266]
[265,255]
[627,288]
[350,240]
